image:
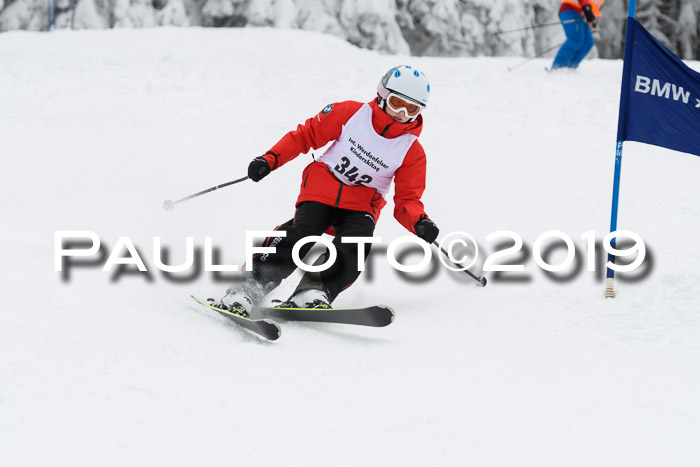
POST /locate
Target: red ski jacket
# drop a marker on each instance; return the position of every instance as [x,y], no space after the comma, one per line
[319,183]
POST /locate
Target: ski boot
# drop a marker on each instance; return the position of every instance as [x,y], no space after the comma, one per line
[235,301]
[309,298]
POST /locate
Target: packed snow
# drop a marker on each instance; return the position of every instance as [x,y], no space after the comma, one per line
[98,128]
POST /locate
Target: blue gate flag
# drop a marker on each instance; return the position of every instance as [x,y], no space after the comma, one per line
[660,97]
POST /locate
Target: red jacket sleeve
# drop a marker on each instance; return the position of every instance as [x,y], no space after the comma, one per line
[409,184]
[315,133]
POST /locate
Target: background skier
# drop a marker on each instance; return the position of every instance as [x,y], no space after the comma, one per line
[579,19]
[344,191]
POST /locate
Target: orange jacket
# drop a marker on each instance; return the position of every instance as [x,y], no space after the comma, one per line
[319,183]
[577,5]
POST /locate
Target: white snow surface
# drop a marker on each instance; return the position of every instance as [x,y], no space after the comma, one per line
[97,128]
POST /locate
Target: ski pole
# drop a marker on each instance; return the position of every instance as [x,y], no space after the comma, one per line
[169,204]
[535,56]
[480,280]
[535,26]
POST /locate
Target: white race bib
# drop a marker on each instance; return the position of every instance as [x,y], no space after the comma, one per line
[362,157]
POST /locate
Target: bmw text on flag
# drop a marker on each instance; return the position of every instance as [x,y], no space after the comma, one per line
[646,85]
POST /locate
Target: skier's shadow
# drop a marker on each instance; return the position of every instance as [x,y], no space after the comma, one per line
[342,331]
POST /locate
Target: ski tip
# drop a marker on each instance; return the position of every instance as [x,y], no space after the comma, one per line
[392,313]
[272,324]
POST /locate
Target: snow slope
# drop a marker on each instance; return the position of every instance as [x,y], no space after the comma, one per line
[97,128]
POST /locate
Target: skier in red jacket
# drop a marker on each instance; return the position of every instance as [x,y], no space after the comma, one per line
[344,191]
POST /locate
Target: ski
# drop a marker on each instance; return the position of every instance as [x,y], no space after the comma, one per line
[262,327]
[377,316]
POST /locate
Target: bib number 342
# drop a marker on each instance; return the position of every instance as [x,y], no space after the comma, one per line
[352,173]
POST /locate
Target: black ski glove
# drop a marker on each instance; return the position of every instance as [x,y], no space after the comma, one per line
[426,229]
[590,17]
[258,169]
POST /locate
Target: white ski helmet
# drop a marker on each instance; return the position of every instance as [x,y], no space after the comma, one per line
[407,81]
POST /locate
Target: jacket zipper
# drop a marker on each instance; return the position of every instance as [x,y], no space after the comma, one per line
[340,190]
[386,129]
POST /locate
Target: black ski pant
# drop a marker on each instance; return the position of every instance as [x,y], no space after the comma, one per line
[313,218]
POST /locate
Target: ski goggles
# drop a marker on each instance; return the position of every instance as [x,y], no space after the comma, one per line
[397,103]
